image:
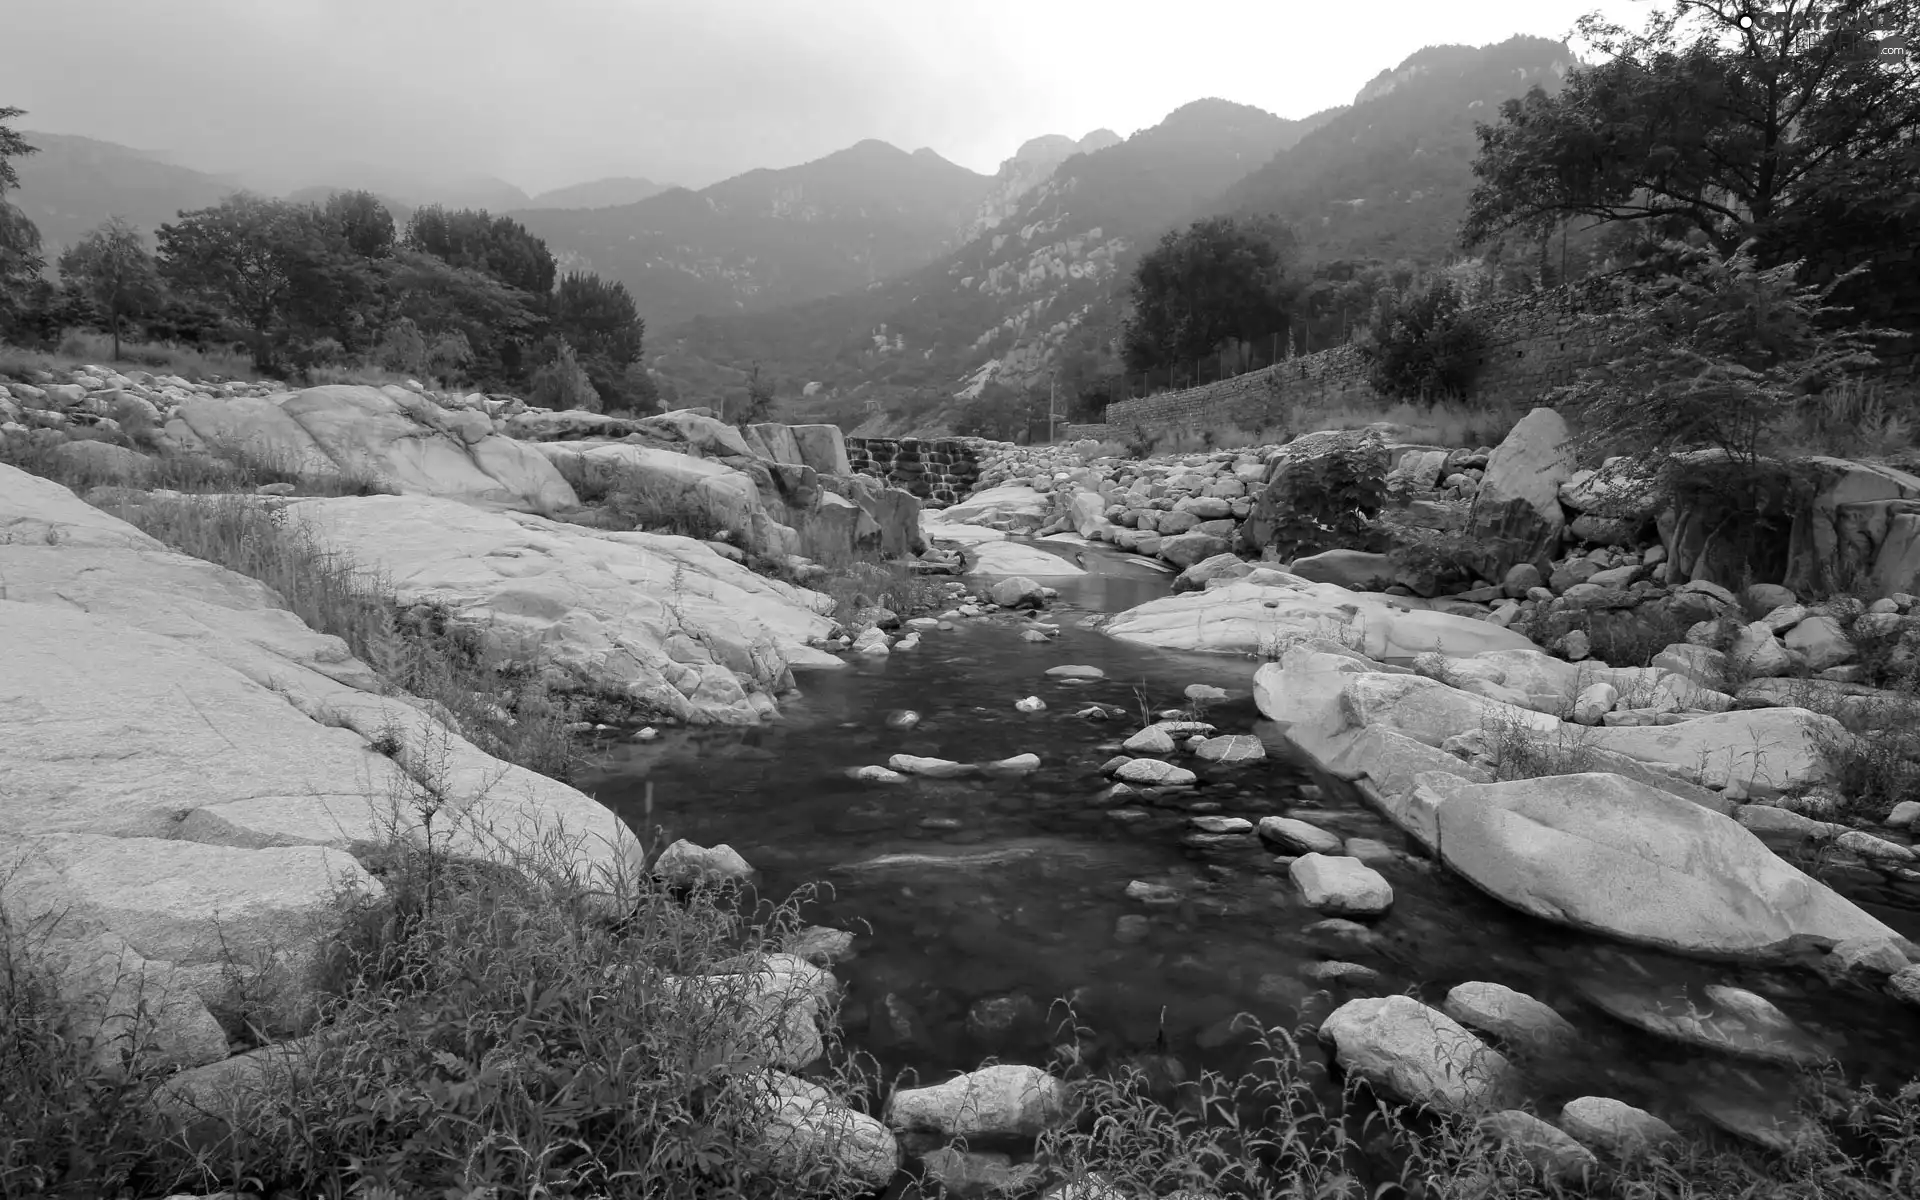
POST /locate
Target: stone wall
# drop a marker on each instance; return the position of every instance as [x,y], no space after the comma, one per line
[940,471]
[1534,343]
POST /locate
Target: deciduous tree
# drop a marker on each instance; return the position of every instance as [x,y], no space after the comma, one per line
[1219,279]
[111,266]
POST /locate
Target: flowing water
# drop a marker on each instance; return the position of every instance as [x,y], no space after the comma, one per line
[1000,896]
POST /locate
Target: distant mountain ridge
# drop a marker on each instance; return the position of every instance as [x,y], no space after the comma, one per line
[1385,177]
[1029,167]
[600,193]
[1389,176]
[1006,300]
[772,237]
[74,183]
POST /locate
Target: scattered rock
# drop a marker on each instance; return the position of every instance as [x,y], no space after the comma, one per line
[1340,886]
[1548,1150]
[1004,1100]
[1614,1128]
[1514,1017]
[1417,1054]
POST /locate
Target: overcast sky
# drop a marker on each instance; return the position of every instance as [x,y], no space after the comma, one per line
[544,93]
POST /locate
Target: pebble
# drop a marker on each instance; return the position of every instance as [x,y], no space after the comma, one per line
[1222,824]
[873,774]
[1152,893]
[1074,671]
[1032,704]
[1151,740]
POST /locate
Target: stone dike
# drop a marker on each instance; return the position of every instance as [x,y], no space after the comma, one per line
[940,471]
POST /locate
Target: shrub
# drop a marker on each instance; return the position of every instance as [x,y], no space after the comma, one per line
[564,384]
[1328,498]
[1423,346]
[482,1030]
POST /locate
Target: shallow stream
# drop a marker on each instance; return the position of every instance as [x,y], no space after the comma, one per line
[971,894]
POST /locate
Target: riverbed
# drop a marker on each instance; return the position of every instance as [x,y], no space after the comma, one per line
[982,903]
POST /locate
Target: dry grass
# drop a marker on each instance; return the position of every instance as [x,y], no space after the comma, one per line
[96,349]
[192,474]
[1857,418]
[501,697]
[479,1032]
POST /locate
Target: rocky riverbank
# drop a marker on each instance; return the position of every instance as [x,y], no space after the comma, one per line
[198,775]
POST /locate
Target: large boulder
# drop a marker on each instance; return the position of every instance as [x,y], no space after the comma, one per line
[1014,507]
[1516,512]
[218,816]
[660,620]
[1418,1054]
[822,447]
[380,437]
[1355,570]
[1006,558]
[1613,856]
[1266,610]
[1764,751]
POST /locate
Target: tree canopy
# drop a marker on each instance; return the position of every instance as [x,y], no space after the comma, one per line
[20,260]
[470,238]
[1790,133]
[112,267]
[1218,280]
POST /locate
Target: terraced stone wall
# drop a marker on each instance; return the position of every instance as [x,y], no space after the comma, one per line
[940,471]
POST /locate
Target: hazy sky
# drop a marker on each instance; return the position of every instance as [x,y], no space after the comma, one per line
[544,93]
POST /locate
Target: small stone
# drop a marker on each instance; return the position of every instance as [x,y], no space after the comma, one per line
[931,768]
[1614,1128]
[902,718]
[1222,824]
[1905,985]
[687,863]
[1151,740]
[1298,836]
[1201,693]
[876,774]
[1513,1017]
[1071,671]
[1348,974]
[1153,893]
[1550,1150]
[1369,850]
[1573,645]
[1019,764]
[1131,928]
[1231,748]
[1340,886]
[1153,771]
[1032,704]
[1337,935]
[1869,956]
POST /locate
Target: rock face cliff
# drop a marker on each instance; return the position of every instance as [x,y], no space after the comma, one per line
[1029,167]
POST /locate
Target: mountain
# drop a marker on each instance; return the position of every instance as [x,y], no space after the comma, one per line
[600,193]
[771,237]
[1389,177]
[1029,167]
[408,189]
[1014,295]
[75,183]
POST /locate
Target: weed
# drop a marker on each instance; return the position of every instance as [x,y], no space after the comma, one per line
[79,349]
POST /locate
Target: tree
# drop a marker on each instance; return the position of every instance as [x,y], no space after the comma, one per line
[1789,135]
[240,255]
[1715,356]
[998,412]
[499,246]
[1423,345]
[111,266]
[20,260]
[561,384]
[599,319]
[1217,280]
[497,321]
[756,406]
[362,223]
